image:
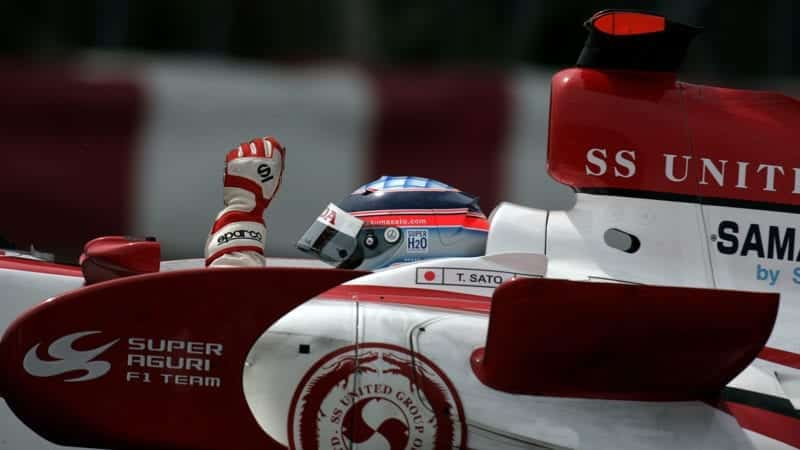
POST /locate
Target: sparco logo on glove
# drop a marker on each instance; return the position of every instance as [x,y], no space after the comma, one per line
[239,234]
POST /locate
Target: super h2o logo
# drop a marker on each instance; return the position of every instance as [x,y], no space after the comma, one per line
[417,241]
[382,397]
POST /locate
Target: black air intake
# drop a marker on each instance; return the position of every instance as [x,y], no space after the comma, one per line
[630,40]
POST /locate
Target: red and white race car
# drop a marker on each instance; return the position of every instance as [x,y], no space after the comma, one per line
[646,317]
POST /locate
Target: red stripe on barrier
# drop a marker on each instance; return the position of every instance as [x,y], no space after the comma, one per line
[446,126]
[66,146]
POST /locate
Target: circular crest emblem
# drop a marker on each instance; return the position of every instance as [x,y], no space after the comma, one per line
[376,396]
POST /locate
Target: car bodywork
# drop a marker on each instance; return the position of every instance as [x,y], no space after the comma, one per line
[645,317]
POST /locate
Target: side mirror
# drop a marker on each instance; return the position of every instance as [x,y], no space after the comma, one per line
[110,257]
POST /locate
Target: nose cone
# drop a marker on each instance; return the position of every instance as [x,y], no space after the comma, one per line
[125,360]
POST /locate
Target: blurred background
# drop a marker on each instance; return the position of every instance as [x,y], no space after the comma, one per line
[116,115]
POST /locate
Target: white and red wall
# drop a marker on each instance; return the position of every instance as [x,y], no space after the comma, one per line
[137,146]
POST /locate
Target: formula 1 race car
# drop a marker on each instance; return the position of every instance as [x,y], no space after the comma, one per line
[660,312]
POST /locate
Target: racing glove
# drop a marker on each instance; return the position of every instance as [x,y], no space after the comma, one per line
[253,173]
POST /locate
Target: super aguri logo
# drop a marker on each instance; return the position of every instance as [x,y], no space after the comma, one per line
[67,359]
[382,395]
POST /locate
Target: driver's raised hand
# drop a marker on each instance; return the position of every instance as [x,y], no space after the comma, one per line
[253,173]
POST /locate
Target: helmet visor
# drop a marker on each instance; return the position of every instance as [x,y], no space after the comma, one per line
[332,236]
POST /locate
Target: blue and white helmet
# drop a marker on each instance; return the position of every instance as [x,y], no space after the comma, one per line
[396,220]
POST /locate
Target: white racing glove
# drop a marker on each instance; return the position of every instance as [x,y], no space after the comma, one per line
[253,173]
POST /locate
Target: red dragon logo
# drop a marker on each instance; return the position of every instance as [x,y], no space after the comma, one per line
[329,216]
[377,396]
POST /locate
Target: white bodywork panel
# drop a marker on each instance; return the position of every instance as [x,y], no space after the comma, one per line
[516,229]
[762,442]
[672,250]
[274,365]
[495,420]
[22,290]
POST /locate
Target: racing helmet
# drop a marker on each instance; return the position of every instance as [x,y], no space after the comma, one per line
[395,220]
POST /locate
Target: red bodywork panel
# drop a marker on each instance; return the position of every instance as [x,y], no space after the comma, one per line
[31,265]
[413,297]
[612,111]
[216,306]
[631,342]
[737,133]
[752,130]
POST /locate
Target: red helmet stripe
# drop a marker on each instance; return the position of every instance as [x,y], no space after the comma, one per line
[427,220]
